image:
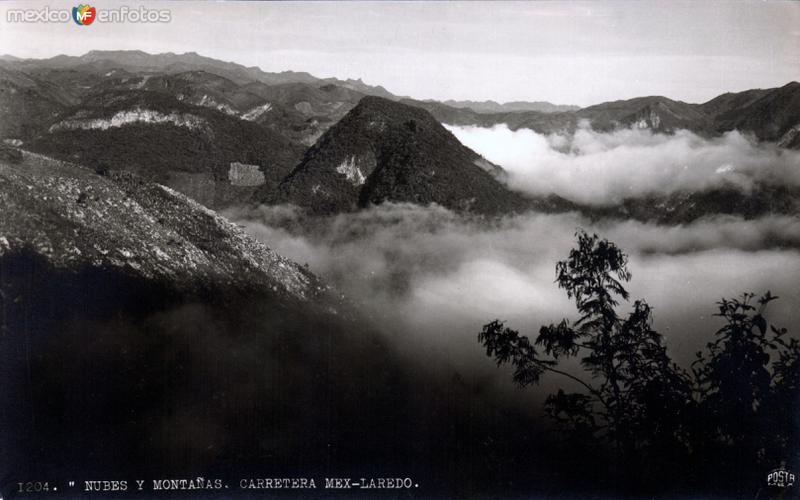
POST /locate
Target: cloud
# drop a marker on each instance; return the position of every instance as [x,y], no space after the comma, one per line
[432,278]
[600,168]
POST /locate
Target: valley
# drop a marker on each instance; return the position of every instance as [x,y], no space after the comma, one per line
[207,268]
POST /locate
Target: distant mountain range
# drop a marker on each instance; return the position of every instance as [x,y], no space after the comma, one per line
[769,114]
[514,106]
[225,134]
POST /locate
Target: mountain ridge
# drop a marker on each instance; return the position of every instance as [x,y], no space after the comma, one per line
[140,228]
[490,106]
[216,132]
[383,150]
[137,60]
[658,113]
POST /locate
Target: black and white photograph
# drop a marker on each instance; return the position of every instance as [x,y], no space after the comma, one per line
[399,249]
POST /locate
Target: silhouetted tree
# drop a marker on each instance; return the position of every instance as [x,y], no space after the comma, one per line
[746,386]
[632,393]
[725,422]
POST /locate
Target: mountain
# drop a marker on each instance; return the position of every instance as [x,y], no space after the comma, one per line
[730,101]
[684,207]
[205,153]
[127,309]
[656,113]
[203,134]
[135,61]
[543,123]
[388,151]
[304,112]
[359,86]
[771,115]
[197,87]
[301,118]
[383,150]
[225,134]
[297,106]
[26,103]
[301,107]
[147,334]
[304,120]
[510,107]
[71,216]
[767,114]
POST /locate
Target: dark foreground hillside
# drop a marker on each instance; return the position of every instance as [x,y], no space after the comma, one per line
[142,335]
[141,332]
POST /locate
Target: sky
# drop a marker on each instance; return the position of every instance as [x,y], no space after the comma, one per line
[563,52]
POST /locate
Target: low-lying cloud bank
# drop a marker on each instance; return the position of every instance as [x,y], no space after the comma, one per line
[432,278]
[603,168]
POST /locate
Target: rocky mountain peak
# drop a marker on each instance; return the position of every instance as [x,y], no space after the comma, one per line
[383,150]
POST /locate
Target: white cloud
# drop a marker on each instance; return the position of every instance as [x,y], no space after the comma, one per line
[603,168]
[431,278]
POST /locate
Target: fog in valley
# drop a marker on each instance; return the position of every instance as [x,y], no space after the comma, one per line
[431,278]
[602,168]
[257,243]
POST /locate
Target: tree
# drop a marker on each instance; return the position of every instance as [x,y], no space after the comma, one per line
[731,417]
[632,393]
[746,388]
